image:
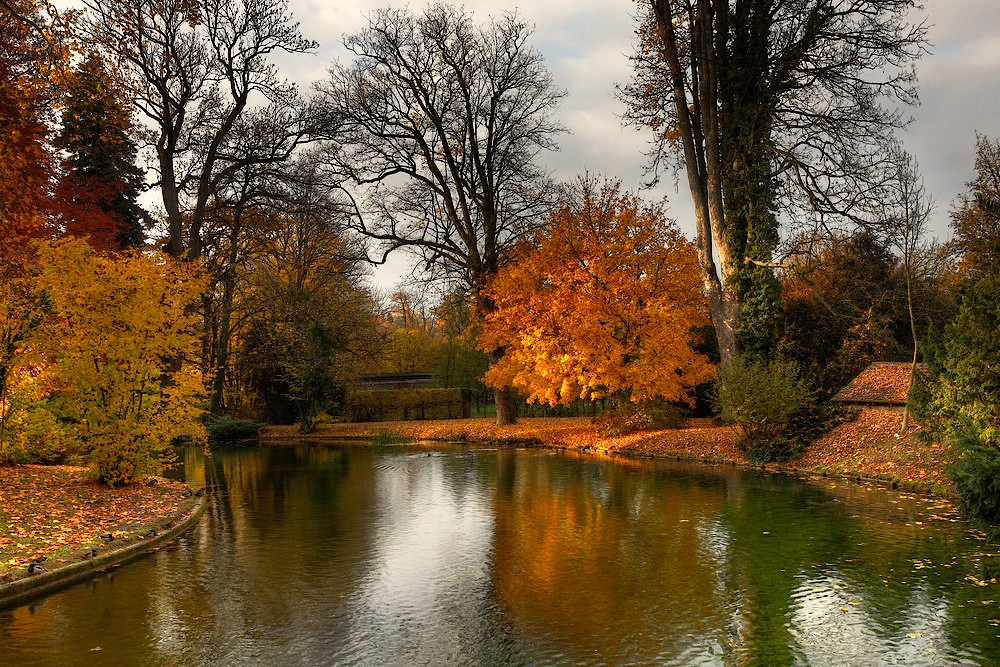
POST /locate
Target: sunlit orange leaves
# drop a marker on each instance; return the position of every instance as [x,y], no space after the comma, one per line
[605,298]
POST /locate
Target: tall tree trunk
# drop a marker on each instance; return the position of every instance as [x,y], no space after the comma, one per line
[503,398]
[699,138]
[913,331]
[222,348]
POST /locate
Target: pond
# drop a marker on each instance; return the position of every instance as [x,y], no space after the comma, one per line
[318,554]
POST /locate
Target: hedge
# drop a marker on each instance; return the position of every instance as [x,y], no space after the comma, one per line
[404,404]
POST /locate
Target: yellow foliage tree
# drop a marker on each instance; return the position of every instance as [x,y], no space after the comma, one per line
[605,298]
[115,324]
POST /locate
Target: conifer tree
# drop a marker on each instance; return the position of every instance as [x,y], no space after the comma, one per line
[103,181]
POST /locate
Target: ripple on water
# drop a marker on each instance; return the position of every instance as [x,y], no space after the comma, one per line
[319,555]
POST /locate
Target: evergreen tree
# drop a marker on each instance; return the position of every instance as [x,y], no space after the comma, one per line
[103,182]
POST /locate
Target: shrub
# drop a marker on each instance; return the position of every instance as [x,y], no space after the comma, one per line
[771,450]
[224,429]
[32,434]
[627,418]
[811,421]
[977,479]
[762,397]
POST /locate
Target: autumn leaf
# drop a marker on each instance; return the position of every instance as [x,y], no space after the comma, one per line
[605,298]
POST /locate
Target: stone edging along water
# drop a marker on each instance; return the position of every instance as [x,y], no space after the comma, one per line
[22,590]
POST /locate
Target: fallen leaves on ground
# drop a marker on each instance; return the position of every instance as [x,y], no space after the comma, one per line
[59,512]
[869,446]
[872,446]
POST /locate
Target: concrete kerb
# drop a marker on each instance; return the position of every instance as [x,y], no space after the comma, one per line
[22,590]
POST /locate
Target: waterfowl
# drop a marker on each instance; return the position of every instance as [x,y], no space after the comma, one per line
[90,554]
[40,559]
[200,492]
[150,535]
[110,537]
[35,568]
[187,493]
[151,481]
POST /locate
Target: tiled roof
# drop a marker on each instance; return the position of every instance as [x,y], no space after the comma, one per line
[882,383]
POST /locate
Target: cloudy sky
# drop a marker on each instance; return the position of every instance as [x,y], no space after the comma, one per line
[586,46]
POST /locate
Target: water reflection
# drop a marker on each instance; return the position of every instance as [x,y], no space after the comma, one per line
[325,555]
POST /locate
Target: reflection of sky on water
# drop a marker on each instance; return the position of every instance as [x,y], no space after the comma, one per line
[428,566]
[834,623]
[315,555]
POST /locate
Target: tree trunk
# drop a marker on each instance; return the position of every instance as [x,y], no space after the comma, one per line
[222,348]
[503,398]
[913,364]
[506,407]
[699,138]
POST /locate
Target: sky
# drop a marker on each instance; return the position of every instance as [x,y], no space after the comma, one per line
[586,47]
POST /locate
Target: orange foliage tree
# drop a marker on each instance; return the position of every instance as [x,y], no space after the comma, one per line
[30,61]
[115,323]
[605,298]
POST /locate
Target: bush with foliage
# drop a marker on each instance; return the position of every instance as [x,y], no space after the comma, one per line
[226,429]
[103,355]
[405,404]
[762,396]
[31,434]
[977,479]
[803,427]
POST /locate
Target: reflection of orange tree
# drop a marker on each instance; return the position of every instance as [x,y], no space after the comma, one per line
[588,551]
[604,299]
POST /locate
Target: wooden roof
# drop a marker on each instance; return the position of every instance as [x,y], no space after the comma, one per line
[882,383]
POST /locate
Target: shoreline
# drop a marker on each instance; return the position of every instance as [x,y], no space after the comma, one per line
[867,449]
[21,590]
[57,516]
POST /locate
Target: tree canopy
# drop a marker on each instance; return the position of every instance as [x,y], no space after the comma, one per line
[604,299]
[762,102]
[442,121]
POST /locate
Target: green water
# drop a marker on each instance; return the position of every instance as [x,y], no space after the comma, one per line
[317,554]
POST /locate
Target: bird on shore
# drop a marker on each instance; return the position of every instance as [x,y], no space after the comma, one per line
[90,554]
[150,535]
[40,559]
[110,537]
[35,568]
[151,481]
[200,492]
[187,493]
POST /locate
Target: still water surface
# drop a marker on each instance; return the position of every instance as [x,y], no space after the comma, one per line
[317,554]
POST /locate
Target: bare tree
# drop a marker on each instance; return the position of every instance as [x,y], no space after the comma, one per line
[200,77]
[908,208]
[441,122]
[771,104]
